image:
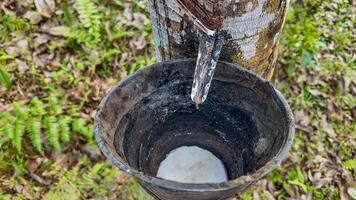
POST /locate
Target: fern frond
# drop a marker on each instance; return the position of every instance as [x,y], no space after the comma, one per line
[19,129]
[37,107]
[8,131]
[51,126]
[349,164]
[6,118]
[19,110]
[90,17]
[54,106]
[79,126]
[81,36]
[64,129]
[5,78]
[34,133]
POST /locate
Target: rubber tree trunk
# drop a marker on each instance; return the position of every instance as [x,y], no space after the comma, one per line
[252,29]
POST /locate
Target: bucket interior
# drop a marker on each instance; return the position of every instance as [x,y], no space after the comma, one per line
[243,121]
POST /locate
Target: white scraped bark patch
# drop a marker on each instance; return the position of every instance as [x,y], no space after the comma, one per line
[247,25]
[248,47]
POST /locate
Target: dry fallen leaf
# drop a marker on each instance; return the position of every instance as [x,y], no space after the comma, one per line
[32,167]
[343,193]
[23,45]
[23,190]
[45,7]
[326,127]
[21,66]
[302,118]
[307,196]
[41,39]
[38,58]
[317,179]
[59,31]
[7,8]
[12,51]
[33,17]
[332,107]
[316,93]
[256,196]
[139,20]
[341,83]
[120,177]
[128,14]
[138,42]
[112,196]
[270,186]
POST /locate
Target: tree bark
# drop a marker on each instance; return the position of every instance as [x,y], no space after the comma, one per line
[252,29]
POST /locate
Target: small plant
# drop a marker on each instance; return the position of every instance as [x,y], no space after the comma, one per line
[90,18]
[5,78]
[10,24]
[36,118]
[295,177]
[83,182]
[34,133]
[349,164]
[78,125]
[51,127]
[133,191]
[64,128]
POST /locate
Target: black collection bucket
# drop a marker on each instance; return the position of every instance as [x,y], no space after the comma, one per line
[245,122]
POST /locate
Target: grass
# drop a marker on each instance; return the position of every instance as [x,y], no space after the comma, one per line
[53,75]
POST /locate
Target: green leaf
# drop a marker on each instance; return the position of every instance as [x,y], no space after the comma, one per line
[34,133]
[291,67]
[19,129]
[301,185]
[9,131]
[5,78]
[79,126]
[90,18]
[54,106]
[307,58]
[68,16]
[64,129]
[51,126]
[20,110]
[296,174]
[6,57]
[119,3]
[296,177]
[349,164]
[122,32]
[37,107]
[275,176]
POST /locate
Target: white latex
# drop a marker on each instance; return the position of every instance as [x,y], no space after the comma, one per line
[192,165]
